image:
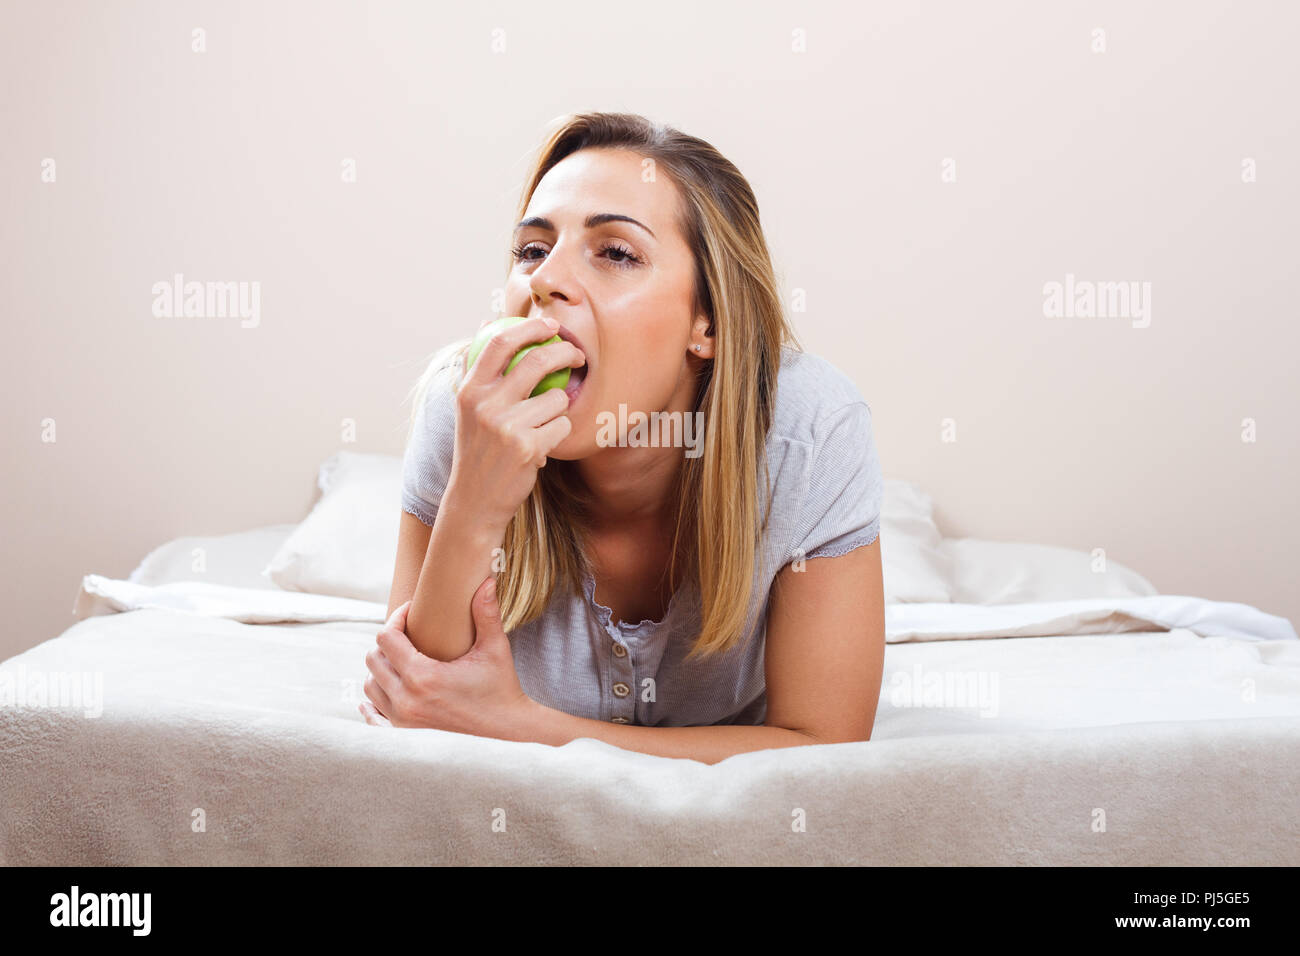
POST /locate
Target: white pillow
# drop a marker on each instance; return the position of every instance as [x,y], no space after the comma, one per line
[914,568]
[233,560]
[1011,572]
[347,545]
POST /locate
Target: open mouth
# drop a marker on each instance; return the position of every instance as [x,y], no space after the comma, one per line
[577,376]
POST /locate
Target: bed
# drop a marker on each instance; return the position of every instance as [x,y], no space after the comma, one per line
[204,712]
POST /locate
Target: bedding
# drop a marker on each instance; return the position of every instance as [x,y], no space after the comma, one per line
[347,544]
[1013,572]
[1160,730]
[914,622]
[234,560]
[914,567]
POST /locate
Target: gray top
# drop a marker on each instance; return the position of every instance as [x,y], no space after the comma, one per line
[828,491]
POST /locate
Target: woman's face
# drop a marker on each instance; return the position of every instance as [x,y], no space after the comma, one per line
[622,289]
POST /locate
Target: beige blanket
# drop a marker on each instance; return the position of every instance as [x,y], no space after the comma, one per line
[212,741]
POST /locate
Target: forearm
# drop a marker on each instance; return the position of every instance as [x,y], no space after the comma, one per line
[439,621]
[708,744]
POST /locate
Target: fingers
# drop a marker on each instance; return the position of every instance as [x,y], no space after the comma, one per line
[382,670]
[553,432]
[501,349]
[540,409]
[521,380]
[398,618]
[397,647]
[484,593]
[383,683]
[487,613]
[373,717]
[378,697]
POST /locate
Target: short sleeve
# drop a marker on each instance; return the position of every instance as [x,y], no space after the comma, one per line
[845,488]
[426,464]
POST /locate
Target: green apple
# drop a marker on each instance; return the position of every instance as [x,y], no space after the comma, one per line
[557,379]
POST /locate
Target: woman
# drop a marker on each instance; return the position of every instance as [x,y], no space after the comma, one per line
[687,602]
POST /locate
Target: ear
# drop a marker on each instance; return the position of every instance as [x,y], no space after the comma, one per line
[702,336]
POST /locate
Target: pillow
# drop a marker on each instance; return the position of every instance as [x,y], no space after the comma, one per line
[233,560]
[914,567]
[347,545]
[1010,572]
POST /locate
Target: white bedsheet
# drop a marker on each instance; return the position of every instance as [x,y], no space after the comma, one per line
[101,595]
[903,622]
[1185,743]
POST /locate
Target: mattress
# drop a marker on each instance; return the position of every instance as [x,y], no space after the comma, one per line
[217,724]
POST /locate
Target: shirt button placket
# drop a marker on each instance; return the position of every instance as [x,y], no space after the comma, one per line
[624,706]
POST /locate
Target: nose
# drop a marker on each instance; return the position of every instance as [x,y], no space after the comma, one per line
[552,278]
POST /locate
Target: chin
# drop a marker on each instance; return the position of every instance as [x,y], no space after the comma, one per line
[580,441]
[570,449]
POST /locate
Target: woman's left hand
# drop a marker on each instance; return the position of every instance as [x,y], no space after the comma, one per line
[478,693]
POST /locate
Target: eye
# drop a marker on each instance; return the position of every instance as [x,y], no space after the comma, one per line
[520,252]
[628,258]
[625,257]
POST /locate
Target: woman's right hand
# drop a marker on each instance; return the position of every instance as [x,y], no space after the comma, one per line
[503,433]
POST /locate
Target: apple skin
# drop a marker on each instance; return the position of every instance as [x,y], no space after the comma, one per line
[556,379]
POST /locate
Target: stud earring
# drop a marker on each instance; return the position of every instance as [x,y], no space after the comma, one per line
[697,348]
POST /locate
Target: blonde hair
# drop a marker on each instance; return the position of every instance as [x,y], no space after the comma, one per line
[735,286]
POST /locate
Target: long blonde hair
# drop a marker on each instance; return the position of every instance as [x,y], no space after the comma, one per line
[735,286]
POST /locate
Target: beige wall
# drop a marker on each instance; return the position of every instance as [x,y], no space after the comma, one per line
[226,165]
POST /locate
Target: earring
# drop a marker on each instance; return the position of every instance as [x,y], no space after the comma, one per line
[697,348]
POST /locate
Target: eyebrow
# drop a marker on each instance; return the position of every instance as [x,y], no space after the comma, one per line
[592,221]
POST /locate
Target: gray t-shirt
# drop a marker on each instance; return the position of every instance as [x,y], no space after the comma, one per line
[823,465]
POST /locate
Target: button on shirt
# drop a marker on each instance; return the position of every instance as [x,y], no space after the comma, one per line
[827,495]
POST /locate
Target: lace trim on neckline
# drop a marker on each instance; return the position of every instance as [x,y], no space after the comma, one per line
[607,613]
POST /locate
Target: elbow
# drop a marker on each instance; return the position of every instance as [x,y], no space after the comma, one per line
[834,736]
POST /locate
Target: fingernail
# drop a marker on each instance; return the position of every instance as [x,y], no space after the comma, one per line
[551,323]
